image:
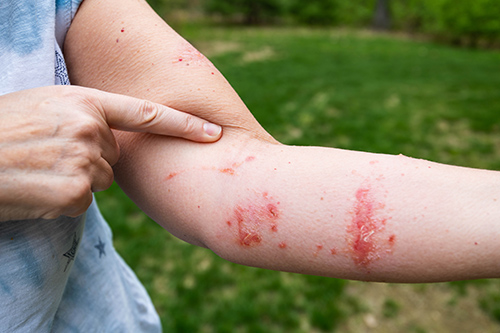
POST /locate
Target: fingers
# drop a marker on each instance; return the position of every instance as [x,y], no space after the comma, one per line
[136,115]
[102,176]
[64,148]
[47,197]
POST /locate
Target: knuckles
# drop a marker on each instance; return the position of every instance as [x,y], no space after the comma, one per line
[77,196]
[190,125]
[86,128]
[74,112]
[147,112]
[78,156]
[71,196]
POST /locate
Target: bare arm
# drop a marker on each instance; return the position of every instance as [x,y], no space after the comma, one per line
[253,201]
[56,145]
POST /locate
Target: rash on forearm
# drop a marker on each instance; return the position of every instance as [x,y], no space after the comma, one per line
[254,219]
[229,169]
[259,219]
[367,238]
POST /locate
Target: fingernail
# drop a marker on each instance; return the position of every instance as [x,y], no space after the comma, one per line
[212,129]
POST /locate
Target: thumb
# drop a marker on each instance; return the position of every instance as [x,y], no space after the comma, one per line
[136,115]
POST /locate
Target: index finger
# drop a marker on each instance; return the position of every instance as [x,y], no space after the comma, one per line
[137,115]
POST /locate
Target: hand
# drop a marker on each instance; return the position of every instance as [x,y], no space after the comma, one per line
[57,147]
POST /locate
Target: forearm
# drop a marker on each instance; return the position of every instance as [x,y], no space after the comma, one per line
[325,211]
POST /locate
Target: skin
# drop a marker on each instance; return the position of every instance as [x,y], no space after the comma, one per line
[57,146]
[254,201]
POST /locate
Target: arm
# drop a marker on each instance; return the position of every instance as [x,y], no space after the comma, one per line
[56,146]
[254,201]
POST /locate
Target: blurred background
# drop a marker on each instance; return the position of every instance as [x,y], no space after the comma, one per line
[418,77]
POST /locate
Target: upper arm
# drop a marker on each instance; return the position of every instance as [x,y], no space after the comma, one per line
[123,46]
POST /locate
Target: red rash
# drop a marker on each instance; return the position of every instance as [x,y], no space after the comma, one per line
[229,171]
[232,170]
[255,220]
[188,55]
[171,175]
[365,228]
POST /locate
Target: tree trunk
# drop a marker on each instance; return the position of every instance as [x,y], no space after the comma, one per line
[382,17]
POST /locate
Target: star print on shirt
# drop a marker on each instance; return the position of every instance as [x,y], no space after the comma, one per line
[70,254]
[100,246]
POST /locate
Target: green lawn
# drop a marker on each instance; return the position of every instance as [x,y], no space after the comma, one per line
[352,90]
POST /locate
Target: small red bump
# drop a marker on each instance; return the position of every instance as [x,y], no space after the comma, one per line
[273,211]
[171,175]
[229,223]
[274,228]
[392,239]
[333,251]
[282,245]
[123,29]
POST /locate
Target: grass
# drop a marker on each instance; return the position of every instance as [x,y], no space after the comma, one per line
[352,90]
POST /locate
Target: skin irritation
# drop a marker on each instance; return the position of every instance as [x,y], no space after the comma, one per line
[255,219]
[319,247]
[121,30]
[229,170]
[189,56]
[366,239]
